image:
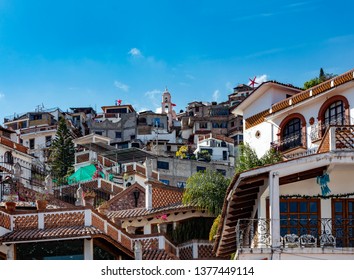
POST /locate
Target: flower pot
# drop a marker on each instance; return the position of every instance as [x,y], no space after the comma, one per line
[89,200]
[41,204]
[10,206]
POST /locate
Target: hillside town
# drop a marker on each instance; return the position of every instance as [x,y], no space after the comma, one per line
[117,192]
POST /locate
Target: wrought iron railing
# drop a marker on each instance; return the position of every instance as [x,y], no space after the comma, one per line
[255,233]
[318,129]
[290,142]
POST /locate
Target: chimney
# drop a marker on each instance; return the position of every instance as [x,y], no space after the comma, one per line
[148,195]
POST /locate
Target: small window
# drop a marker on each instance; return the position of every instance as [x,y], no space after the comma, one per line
[181,185]
[48,141]
[221,171]
[201,168]
[157,122]
[203,125]
[98,132]
[166,182]
[8,158]
[31,143]
[163,165]
[118,134]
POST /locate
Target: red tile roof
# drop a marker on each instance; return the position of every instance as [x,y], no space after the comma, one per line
[49,233]
[299,97]
[140,212]
[158,255]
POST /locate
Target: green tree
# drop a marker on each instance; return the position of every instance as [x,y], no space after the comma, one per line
[206,190]
[248,159]
[62,152]
[322,77]
[271,156]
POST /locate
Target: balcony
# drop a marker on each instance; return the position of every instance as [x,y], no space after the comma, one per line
[318,129]
[296,233]
[37,129]
[292,142]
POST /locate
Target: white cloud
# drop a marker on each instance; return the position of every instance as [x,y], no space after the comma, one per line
[152,94]
[154,97]
[2,95]
[158,110]
[135,52]
[216,95]
[229,86]
[261,79]
[121,86]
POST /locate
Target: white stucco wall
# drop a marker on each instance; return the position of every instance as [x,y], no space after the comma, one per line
[308,109]
[262,143]
[340,183]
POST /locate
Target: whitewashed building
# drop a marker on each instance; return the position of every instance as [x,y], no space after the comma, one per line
[302,207]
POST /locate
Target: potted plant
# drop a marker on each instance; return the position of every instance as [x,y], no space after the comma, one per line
[10,202]
[89,197]
[41,200]
[162,227]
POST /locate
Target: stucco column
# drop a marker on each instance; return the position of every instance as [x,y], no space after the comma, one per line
[88,249]
[262,216]
[274,209]
[147,229]
[10,254]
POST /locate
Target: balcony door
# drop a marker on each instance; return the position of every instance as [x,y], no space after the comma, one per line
[334,115]
[291,137]
[343,222]
[300,216]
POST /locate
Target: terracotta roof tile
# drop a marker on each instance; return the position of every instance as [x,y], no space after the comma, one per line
[139,212]
[299,97]
[49,233]
[158,254]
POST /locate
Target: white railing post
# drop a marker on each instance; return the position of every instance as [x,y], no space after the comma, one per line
[40,220]
[274,209]
[332,138]
[195,249]
[161,242]
[88,217]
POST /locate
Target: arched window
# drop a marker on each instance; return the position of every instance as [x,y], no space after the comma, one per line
[334,114]
[8,158]
[335,111]
[292,132]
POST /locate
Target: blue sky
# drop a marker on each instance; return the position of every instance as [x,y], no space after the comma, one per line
[90,53]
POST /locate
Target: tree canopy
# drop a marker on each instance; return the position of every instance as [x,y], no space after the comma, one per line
[248,158]
[206,190]
[62,152]
[322,77]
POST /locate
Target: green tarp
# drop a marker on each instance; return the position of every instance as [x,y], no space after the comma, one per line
[82,174]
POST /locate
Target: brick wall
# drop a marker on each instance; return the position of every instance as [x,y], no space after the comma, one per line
[324,147]
[127,201]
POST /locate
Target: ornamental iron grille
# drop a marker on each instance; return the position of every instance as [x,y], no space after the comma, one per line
[326,232]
